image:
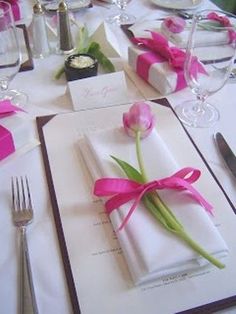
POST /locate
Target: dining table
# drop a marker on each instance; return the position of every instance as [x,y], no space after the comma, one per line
[60,275]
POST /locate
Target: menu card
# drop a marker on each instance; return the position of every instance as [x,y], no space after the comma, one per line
[98,279]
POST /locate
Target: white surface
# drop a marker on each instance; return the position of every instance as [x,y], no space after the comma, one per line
[178,4]
[47,96]
[99,250]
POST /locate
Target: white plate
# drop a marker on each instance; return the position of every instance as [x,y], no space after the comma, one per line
[72,5]
[178,4]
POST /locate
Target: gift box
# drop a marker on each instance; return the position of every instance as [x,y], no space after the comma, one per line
[158,63]
[15,130]
[156,71]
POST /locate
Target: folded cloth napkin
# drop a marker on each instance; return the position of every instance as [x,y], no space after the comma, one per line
[151,251]
[179,39]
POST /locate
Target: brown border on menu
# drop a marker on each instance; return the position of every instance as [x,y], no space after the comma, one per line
[74,298]
[28,64]
[41,121]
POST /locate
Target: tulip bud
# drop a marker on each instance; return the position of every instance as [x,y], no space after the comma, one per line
[139,118]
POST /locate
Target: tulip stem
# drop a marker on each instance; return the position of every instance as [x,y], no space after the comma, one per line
[164,215]
[139,156]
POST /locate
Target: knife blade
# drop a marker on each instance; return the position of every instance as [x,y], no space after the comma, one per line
[226,152]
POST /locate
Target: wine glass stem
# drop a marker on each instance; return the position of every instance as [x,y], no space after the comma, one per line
[199,107]
[3,85]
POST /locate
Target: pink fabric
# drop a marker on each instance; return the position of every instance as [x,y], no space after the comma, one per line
[7,108]
[15,9]
[224,21]
[160,51]
[6,140]
[124,190]
[6,143]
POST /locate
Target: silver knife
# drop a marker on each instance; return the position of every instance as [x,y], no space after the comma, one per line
[226,152]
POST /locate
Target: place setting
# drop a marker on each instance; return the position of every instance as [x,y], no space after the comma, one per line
[88,155]
[124,195]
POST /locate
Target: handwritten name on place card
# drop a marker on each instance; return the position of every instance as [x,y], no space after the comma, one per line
[99,91]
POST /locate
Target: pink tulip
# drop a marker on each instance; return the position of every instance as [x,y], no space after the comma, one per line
[139,118]
[174,24]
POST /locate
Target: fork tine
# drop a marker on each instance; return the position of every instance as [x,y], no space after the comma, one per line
[23,202]
[28,193]
[18,198]
[13,193]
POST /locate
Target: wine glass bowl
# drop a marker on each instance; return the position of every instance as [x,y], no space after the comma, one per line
[122,18]
[215,58]
[10,58]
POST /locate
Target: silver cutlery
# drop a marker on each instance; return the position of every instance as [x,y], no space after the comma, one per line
[22,215]
[226,152]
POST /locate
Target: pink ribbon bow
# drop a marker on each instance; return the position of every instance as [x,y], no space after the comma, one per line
[160,51]
[224,21]
[15,9]
[6,140]
[124,190]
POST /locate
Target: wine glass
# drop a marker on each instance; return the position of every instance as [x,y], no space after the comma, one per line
[9,55]
[121,18]
[212,44]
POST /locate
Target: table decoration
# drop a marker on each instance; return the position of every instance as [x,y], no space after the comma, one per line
[177,30]
[160,64]
[79,66]
[99,91]
[84,45]
[77,213]
[15,129]
[125,196]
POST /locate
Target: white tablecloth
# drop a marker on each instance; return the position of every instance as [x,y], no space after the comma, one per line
[47,96]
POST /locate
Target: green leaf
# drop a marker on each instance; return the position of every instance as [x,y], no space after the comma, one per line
[59,72]
[211,25]
[95,50]
[129,170]
[82,40]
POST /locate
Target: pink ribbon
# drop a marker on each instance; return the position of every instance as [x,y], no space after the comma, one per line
[15,9]
[224,21]
[160,51]
[125,190]
[6,140]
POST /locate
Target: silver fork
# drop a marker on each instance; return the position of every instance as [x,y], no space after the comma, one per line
[22,215]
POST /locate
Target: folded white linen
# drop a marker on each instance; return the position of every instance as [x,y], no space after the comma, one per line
[180,40]
[151,251]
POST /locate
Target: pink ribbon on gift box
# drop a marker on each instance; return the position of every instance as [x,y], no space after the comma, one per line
[6,140]
[125,190]
[160,51]
[15,9]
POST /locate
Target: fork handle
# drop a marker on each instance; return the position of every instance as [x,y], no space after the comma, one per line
[27,294]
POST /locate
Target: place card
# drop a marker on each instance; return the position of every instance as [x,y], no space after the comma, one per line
[99,91]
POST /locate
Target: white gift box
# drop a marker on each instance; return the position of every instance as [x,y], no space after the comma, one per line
[161,75]
[15,133]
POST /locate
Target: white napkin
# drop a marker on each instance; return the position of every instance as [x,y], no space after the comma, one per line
[151,251]
[179,39]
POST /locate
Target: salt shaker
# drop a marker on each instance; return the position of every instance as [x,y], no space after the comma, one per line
[41,46]
[64,31]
